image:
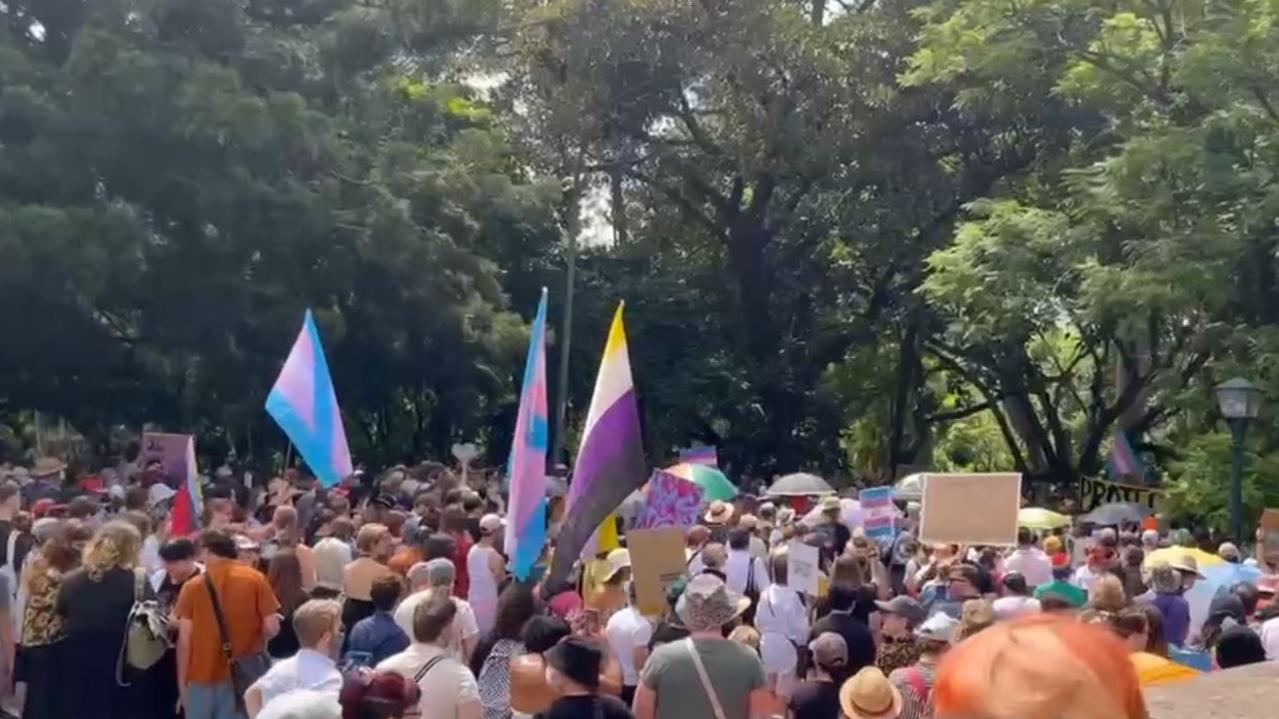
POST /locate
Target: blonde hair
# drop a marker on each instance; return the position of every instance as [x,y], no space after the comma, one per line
[116,544]
[1108,595]
[314,618]
[1039,666]
[369,536]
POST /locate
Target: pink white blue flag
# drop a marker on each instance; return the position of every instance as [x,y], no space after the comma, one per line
[1123,460]
[527,467]
[305,406]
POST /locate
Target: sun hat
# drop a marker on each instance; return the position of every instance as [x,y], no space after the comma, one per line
[719,512]
[491,523]
[578,658]
[903,606]
[47,466]
[708,603]
[830,651]
[828,504]
[1186,564]
[747,521]
[940,627]
[869,695]
[1229,552]
[618,559]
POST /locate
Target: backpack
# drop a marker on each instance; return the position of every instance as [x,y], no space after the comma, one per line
[146,633]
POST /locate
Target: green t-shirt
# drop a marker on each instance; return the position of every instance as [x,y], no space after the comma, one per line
[1076,596]
[735,671]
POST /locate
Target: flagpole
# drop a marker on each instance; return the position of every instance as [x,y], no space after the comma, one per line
[566,329]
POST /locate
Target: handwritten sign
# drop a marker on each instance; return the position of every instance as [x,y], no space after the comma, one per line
[170,450]
[802,568]
[879,516]
[672,502]
[1095,492]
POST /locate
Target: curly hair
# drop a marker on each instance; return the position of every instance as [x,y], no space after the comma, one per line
[116,544]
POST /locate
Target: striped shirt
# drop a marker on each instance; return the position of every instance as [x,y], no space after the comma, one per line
[909,682]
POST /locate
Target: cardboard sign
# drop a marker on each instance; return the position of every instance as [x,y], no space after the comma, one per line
[803,572]
[657,561]
[1095,492]
[170,450]
[879,516]
[672,502]
[1270,535]
[970,509]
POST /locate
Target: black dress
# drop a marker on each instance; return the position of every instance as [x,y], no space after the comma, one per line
[95,613]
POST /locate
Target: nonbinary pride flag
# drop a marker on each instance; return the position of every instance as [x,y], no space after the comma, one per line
[527,467]
[610,460]
[305,406]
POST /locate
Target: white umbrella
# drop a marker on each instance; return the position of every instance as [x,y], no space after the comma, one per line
[800,484]
[850,514]
[909,488]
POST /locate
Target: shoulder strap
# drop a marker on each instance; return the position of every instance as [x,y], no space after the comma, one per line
[11,549]
[705,678]
[750,575]
[217,613]
[428,667]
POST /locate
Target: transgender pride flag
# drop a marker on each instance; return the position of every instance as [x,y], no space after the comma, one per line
[1123,460]
[526,513]
[305,406]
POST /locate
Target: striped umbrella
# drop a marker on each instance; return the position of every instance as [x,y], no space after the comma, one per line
[712,481]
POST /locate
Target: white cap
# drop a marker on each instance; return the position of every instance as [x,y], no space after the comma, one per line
[491,523]
[159,492]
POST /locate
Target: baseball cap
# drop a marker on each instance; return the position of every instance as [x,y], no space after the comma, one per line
[939,628]
[903,606]
[491,523]
[830,651]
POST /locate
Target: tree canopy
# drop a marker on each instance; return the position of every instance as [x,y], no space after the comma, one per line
[857,237]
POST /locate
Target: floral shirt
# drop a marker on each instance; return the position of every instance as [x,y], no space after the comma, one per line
[897,654]
[41,623]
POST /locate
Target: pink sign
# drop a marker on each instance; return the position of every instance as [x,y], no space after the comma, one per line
[170,450]
[672,502]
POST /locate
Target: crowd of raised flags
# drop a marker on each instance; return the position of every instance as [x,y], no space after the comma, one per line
[506,595]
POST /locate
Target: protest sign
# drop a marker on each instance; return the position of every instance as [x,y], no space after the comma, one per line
[700,455]
[803,574]
[170,450]
[672,502]
[879,516]
[1095,492]
[1270,534]
[970,509]
[657,561]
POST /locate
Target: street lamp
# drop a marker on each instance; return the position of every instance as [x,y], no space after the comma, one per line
[1240,403]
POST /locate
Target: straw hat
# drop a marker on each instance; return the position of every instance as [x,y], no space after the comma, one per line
[829,504]
[1187,564]
[708,603]
[47,466]
[869,695]
[719,512]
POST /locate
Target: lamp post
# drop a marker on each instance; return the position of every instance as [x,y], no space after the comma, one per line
[1240,403]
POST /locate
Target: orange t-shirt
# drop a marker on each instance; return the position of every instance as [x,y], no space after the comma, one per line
[246,599]
[404,560]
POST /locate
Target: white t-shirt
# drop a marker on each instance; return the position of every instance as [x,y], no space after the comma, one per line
[782,622]
[464,624]
[737,570]
[308,669]
[1270,638]
[1032,564]
[626,631]
[1085,578]
[150,554]
[448,684]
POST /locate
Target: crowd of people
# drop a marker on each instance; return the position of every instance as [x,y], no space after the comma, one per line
[392,598]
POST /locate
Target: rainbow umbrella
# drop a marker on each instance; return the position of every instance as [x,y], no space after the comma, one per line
[712,481]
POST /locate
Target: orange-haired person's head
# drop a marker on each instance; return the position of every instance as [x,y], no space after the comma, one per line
[1039,667]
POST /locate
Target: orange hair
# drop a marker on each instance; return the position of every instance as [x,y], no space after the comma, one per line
[1039,667]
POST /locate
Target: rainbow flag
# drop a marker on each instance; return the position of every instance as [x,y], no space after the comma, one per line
[1123,460]
[188,505]
[610,460]
[700,455]
[526,470]
[305,406]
